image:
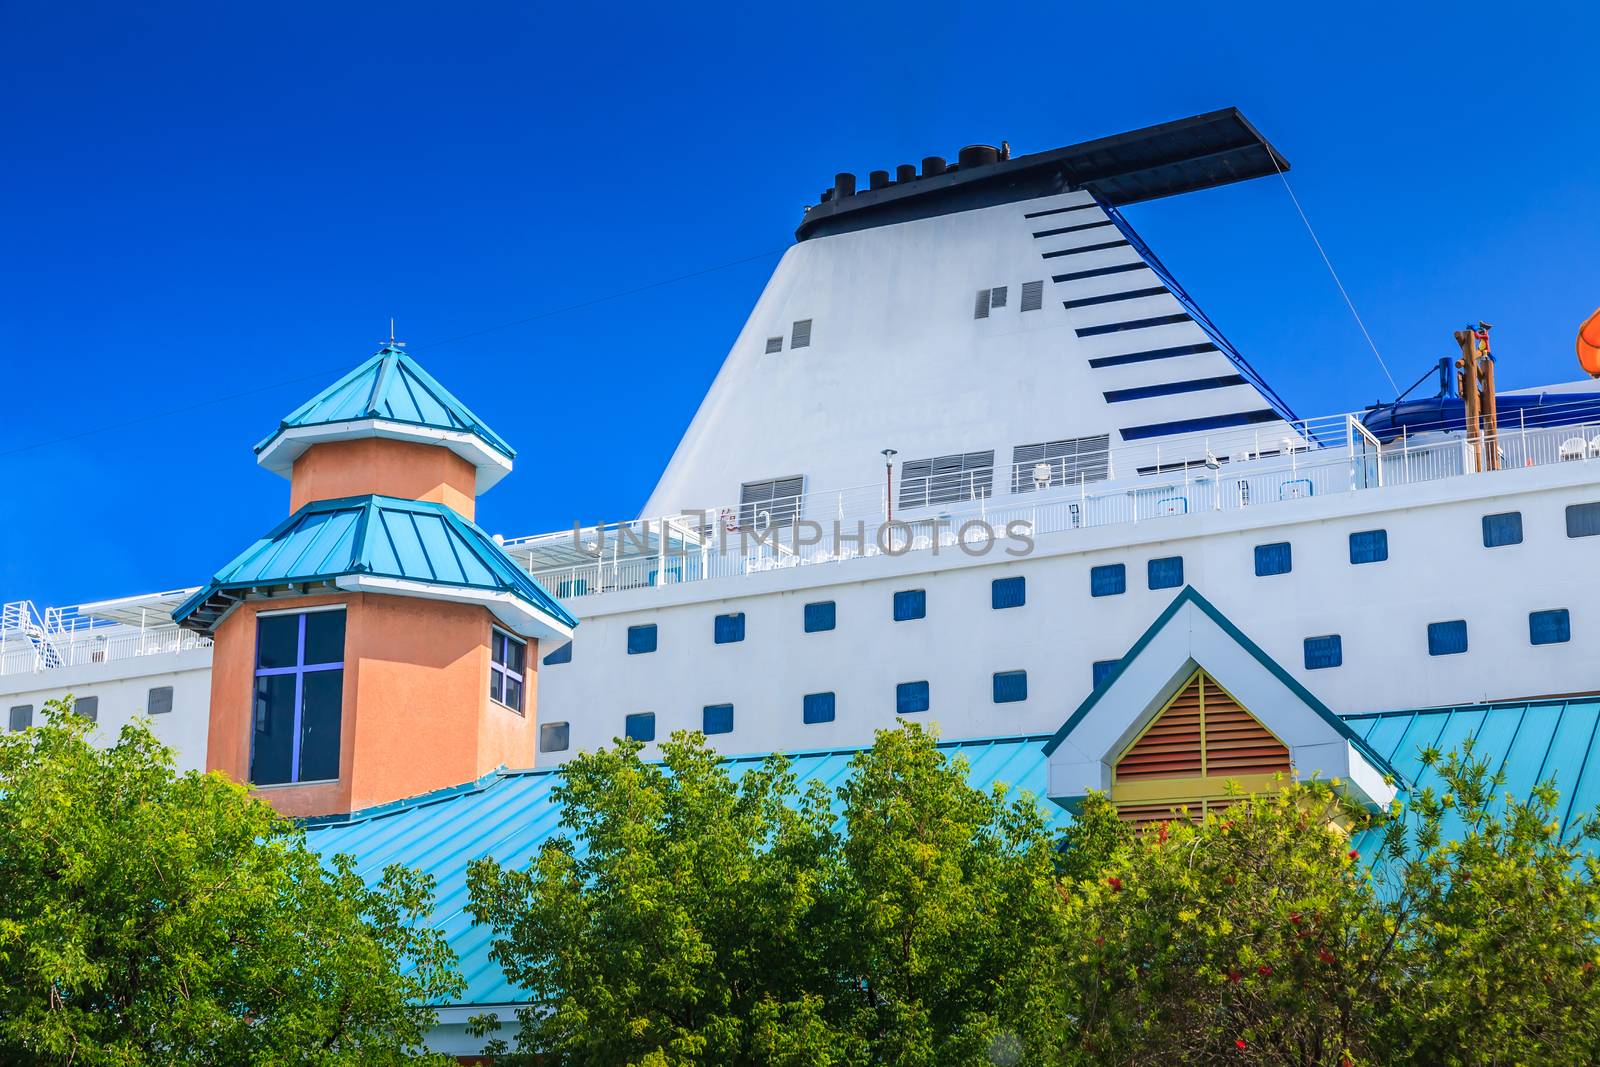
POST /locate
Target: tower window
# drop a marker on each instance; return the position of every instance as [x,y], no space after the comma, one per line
[729,628]
[820,616]
[1010,687]
[801,337]
[640,726]
[299,693]
[641,639]
[910,604]
[817,707]
[507,659]
[1108,580]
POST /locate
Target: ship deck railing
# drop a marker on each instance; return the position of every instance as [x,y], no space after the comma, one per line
[968,512]
[57,637]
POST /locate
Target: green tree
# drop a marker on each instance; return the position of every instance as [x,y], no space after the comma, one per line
[150,917]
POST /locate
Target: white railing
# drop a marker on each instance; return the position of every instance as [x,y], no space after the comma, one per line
[25,650]
[721,547]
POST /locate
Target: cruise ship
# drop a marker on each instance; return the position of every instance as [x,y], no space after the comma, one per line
[976,459]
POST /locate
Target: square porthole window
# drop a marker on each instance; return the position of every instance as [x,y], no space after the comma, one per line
[729,628]
[910,698]
[1108,580]
[1323,652]
[158,701]
[1502,529]
[1008,593]
[554,736]
[1166,573]
[87,708]
[820,617]
[640,726]
[1447,638]
[1010,686]
[641,639]
[910,604]
[817,707]
[1369,546]
[716,719]
[1583,520]
[1553,627]
[1276,558]
[21,717]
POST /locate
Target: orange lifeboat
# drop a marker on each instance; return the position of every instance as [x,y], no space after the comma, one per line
[1589,345]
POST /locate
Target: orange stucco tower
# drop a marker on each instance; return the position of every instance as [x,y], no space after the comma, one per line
[376,644]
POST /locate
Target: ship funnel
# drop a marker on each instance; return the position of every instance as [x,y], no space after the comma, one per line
[978,155]
[932,165]
[844,185]
[905,172]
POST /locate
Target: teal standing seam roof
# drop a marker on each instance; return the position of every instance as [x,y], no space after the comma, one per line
[390,386]
[386,537]
[510,815]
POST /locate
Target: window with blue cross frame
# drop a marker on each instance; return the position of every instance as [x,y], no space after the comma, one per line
[299,694]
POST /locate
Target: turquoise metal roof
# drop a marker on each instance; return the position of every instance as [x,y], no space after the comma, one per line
[509,816]
[376,536]
[390,386]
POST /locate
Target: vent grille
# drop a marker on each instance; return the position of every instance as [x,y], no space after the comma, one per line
[1203,732]
[946,479]
[1032,295]
[774,344]
[771,503]
[1071,460]
[980,308]
[802,334]
[997,297]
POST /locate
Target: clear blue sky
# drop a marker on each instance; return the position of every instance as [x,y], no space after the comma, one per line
[210,211]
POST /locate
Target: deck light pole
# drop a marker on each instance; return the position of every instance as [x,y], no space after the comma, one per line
[888,485]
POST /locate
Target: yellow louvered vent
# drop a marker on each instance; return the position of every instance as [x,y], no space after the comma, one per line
[1193,746]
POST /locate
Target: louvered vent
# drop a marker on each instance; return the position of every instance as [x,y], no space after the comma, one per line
[997,297]
[802,334]
[771,503]
[980,309]
[946,479]
[774,344]
[1032,295]
[1203,733]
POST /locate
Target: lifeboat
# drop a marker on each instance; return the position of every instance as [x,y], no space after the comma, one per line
[1589,345]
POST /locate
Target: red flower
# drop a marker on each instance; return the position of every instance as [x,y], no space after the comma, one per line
[1263,969]
[1355,855]
[1324,955]
[1240,1043]
[1115,883]
[1234,976]
[1294,917]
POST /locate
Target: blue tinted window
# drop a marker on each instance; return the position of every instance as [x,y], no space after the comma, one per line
[1108,580]
[910,697]
[1502,529]
[1369,546]
[1166,573]
[1583,520]
[717,719]
[910,604]
[641,726]
[1276,558]
[818,707]
[641,639]
[819,616]
[729,628]
[1323,652]
[1103,669]
[1550,627]
[560,655]
[1447,638]
[1010,687]
[1008,593]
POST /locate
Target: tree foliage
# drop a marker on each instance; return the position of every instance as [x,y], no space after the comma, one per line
[152,917]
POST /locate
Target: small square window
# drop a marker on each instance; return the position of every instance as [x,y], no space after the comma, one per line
[817,707]
[1103,669]
[1551,627]
[554,737]
[21,717]
[1166,573]
[158,701]
[87,708]
[1010,686]
[1323,652]
[729,628]
[1276,558]
[716,719]
[910,698]
[819,616]
[1583,520]
[1008,593]
[910,604]
[1502,529]
[640,726]
[1369,546]
[641,639]
[1447,638]
[560,655]
[1108,580]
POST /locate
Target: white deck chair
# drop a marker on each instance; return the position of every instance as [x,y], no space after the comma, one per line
[1573,448]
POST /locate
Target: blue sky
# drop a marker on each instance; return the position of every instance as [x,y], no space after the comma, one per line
[212,211]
